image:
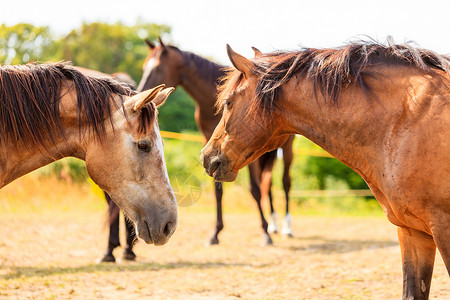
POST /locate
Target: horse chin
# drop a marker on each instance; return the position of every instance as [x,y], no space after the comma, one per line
[225,176]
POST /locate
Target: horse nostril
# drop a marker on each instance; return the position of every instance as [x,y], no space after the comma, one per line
[214,165]
[167,229]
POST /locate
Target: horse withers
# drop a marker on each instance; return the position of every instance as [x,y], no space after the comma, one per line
[51,111]
[382,110]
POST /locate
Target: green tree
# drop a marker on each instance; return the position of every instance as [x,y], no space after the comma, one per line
[323,168]
[23,42]
[110,48]
[177,113]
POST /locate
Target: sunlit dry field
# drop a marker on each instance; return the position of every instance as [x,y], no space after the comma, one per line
[49,245]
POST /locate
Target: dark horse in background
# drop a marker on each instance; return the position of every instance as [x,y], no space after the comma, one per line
[199,77]
[113,209]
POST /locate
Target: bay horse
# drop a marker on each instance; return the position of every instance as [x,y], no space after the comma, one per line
[113,209]
[51,111]
[384,110]
[199,77]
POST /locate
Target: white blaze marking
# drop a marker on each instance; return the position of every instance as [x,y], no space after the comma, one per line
[149,67]
[147,71]
[160,152]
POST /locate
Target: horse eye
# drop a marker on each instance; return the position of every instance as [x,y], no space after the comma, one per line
[144,146]
[226,103]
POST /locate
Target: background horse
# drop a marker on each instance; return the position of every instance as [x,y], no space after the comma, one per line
[52,111]
[199,77]
[113,209]
[382,110]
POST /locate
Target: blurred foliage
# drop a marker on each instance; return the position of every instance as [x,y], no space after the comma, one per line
[24,42]
[103,47]
[324,168]
[110,48]
[316,173]
[69,169]
[177,113]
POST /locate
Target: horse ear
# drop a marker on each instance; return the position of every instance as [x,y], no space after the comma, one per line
[161,42]
[137,102]
[150,44]
[239,62]
[162,96]
[257,52]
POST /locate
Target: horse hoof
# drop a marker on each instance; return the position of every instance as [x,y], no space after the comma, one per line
[287,233]
[129,255]
[213,241]
[272,229]
[267,241]
[108,258]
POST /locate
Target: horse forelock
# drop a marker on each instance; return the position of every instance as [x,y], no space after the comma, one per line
[147,117]
[228,83]
[30,96]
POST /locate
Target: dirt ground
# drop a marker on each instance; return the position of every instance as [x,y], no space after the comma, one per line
[53,256]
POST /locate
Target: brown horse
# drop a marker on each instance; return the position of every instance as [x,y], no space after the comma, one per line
[51,111]
[382,110]
[199,77]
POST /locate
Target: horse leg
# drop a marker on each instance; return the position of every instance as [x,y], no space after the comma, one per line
[418,253]
[287,222]
[287,160]
[113,240]
[131,239]
[265,187]
[273,227]
[219,223]
[267,240]
[256,193]
[441,236]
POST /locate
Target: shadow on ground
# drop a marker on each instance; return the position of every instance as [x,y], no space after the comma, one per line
[27,272]
[322,245]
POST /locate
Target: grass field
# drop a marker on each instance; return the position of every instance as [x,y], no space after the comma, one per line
[53,232]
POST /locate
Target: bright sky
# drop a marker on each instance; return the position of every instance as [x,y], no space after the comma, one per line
[206,26]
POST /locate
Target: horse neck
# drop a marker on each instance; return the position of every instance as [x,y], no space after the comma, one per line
[18,159]
[25,159]
[354,129]
[199,83]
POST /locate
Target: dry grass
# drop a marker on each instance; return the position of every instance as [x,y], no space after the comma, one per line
[49,244]
[32,194]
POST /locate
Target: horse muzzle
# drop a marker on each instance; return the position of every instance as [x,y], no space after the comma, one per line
[156,227]
[218,167]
